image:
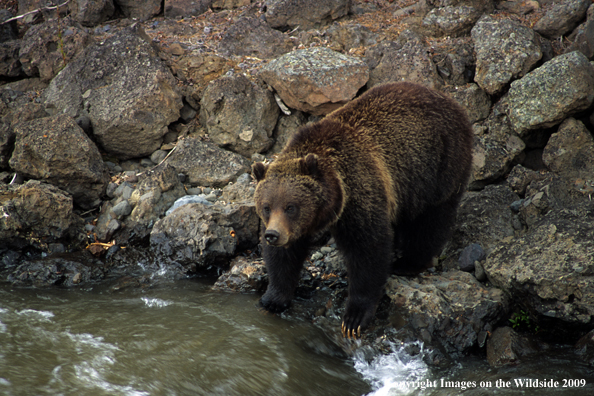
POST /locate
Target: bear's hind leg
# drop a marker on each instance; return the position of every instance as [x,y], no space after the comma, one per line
[284,267]
[421,239]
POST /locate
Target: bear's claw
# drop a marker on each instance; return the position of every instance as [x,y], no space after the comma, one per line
[350,333]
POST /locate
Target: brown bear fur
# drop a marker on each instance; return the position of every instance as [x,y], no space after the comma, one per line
[383,173]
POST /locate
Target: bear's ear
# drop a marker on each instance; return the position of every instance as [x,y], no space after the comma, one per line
[259,170]
[309,165]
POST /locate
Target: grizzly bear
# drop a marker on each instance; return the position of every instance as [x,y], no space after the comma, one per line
[384,174]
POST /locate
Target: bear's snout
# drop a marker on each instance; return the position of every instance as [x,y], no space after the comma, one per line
[271,236]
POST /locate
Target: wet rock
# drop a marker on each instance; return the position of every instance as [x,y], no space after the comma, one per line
[474,100]
[570,151]
[551,268]
[47,48]
[506,347]
[497,148]
[405,60]
[505,51]
[56,150]
[562,18]
[550,93]
[585,348]
[239,115]
[305,14]
[315,80]
[185,8]
[199,236]
[453,322]
[206,164]
[92,12]
[244,276]
[139,10]
[188,199]
[250,36]
[346,37]
[124,89]
[37,213]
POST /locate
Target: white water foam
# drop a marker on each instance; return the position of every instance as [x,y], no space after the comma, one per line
[155,302]
[42,315]
[398,373]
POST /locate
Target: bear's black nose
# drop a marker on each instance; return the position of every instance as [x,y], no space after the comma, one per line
[271,236]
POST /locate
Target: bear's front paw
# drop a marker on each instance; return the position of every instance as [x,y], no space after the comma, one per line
[274,305]
[356,318]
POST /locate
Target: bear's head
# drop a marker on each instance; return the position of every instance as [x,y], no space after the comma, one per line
[295,198]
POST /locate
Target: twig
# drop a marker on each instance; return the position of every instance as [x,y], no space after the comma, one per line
[34,12]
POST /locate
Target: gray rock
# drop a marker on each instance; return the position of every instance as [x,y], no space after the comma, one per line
[92,12]
[123,208]
[471,254]
[582,39]
[239,115]
[585,348]
[139,10]
[240,191]
[126,91]
[550,93]
[56,150]
[10,65]
[452,20]
[124,190]
[453,321]
[479,272]
[158,156]
[36,212]
[244,276]
[562,18]
[205,164]
[405,60]
[8,31]
[197,235]
[250,36]
[185,8]
[473,99]
[520,177]
[349,36]
[550,268]
[506,347]
[505,51]
[305,14]
[47,48]
[188,199]
[75,271]
[315,80]
[570,151]
[455,61]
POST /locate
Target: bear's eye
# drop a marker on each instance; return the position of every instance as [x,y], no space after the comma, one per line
[266,210]
[291,209]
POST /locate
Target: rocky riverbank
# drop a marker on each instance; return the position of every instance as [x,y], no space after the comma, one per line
[114,111]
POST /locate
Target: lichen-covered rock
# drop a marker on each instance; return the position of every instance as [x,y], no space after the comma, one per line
[473,99]
[57,151]
[10,64]
[48,47]
[570,151]
[405,60]
[142,10]
[505,50]
[562,18]
[551,268]
[185,8]
[92,12]
[506,347]
[451,20]
[125,90]
[550,93]
[206,164]
[345,37]
[315,80]
[252,37]
[305,14]
[239,115]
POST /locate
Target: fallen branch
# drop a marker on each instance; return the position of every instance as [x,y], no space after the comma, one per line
[35,12]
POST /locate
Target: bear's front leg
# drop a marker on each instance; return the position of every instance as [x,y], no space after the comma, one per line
[368,255]
[283,265]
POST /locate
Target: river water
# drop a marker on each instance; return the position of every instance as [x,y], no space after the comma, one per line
[181,338]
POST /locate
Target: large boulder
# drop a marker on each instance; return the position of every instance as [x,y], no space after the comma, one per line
[562,18]
[57,151]
[549,94]
[124,89]
[315,80]
[505,50]
[454,18]
[142,10]
[92,12]
[239,115]
[251,36]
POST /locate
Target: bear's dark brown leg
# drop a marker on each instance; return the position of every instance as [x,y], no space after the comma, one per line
[283,266]
[367,249]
